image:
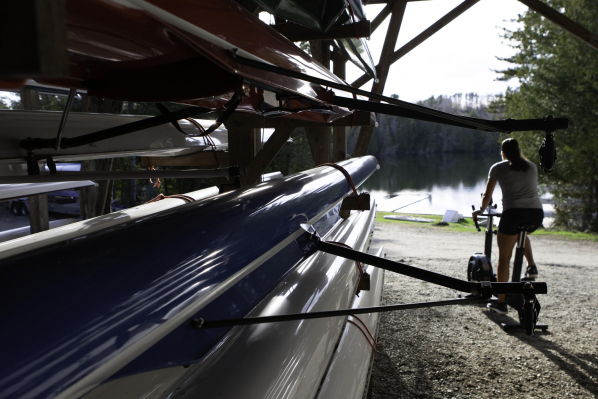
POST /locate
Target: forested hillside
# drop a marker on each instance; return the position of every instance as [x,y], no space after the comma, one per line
[396,135]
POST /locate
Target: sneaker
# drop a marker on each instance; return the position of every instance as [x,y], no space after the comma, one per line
[498,307]
[531,273]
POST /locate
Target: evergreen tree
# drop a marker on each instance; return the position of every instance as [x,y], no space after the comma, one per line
[395,135]
[558,75]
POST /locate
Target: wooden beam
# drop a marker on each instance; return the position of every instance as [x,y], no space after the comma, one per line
[38,204]
[390,41]
[241,144]
[104,190]
[339,65]
[30,99]
[419,39]
[33,39]
[265,156]
[435,27]
[363,141]
[319,143]
[245,119]
[339,136]
[319,137]
[204,159]
[96,200]
[339,144]
[297,33]
[38,213]
[382,15]
[564,22]
[320,51]
[93,200]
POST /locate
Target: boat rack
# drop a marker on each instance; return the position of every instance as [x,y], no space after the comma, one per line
[480,291]
[31,144]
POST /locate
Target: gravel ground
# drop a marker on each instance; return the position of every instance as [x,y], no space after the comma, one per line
[461,351]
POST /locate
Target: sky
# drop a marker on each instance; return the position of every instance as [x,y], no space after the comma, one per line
[457,59]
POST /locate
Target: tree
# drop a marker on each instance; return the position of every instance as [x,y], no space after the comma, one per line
[558,75]
[395,135]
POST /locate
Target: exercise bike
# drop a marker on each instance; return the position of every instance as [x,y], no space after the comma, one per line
[479,268]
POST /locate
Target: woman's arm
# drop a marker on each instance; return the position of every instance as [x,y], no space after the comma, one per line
[486,198]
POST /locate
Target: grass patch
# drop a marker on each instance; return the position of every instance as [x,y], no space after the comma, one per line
[567,235]
[467,225]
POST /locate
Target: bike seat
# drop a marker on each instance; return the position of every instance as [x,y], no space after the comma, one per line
[527,227]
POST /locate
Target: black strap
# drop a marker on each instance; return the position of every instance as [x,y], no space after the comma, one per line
[230,106]
[51,164]
[166,112]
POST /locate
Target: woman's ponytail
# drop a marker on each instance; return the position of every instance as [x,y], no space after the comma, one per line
[510,147]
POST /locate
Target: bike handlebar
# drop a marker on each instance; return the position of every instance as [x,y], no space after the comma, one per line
[484,214]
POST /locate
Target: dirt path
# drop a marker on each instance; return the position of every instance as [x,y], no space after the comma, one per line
[460,351]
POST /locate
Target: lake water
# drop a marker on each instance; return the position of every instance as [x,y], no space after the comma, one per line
[432,184]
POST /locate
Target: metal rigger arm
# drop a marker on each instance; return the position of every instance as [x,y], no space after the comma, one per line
[482,291]
[484,288]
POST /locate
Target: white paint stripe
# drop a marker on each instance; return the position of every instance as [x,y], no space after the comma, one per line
[85,227]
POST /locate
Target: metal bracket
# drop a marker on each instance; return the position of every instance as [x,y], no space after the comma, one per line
[51,165]
[351,203]
[65,114]
[32,165]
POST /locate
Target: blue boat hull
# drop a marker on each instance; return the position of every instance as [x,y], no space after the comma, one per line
[118,301]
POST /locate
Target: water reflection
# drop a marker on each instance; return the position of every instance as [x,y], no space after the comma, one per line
[431,184]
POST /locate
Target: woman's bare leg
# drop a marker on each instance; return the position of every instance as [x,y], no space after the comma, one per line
[506,243]
[528,252]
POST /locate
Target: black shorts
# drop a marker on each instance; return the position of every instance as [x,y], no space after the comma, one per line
[511,219]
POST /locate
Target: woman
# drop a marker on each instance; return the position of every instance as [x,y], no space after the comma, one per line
[518,179]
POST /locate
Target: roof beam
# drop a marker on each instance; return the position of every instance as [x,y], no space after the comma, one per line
[339,134]
[297,33]
[265,156]
[422,37]
[559,19]
[390,41]
[382,15]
